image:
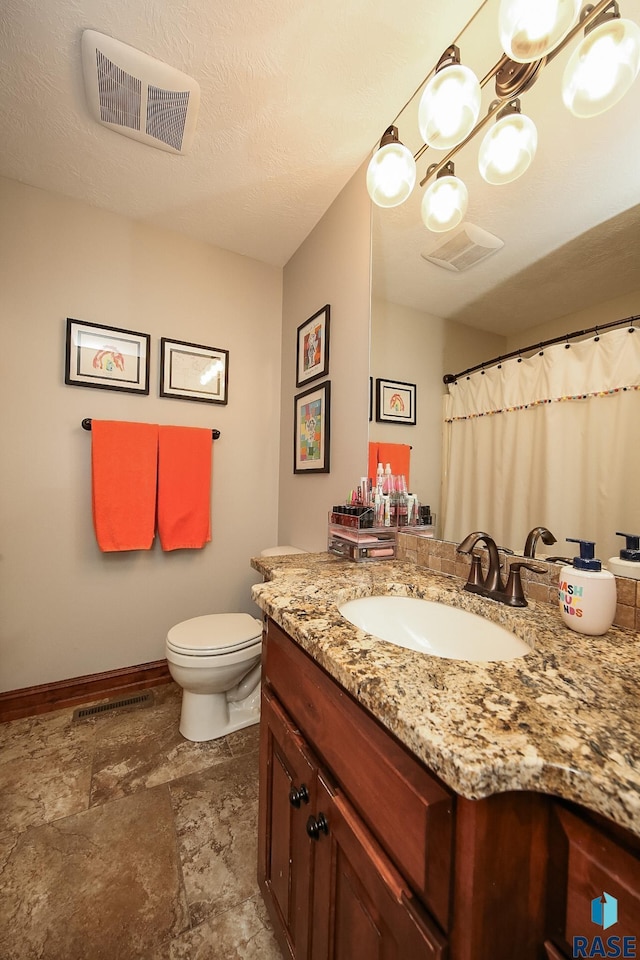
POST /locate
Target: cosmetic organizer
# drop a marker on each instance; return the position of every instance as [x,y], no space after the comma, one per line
[353,535]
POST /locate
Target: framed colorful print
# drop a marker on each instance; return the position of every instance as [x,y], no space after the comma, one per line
[192,371]
[395,401]
[311,419]
[312,359]
[109,358]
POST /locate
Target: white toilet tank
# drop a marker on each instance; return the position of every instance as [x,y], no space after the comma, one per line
[280,551]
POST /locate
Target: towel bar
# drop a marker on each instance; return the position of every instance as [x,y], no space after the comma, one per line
[86,425]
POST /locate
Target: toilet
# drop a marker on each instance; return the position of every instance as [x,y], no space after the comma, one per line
[216,660]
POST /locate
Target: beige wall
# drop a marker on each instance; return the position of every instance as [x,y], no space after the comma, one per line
[66,608]
[419,348]
[617,309]
[331,266]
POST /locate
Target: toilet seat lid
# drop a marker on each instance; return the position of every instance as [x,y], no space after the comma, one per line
[214,633]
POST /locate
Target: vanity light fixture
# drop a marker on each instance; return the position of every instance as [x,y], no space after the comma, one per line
[533,32]
[450,103]
[509,147]
[529,31]
[444,203]
[391,174]
[604,66]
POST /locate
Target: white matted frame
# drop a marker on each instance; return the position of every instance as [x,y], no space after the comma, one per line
[312,429]
[395,401]
[192,371]
[108,358]
[312,352]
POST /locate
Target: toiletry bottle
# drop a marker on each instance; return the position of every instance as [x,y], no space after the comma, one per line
[586,592]
[628,563]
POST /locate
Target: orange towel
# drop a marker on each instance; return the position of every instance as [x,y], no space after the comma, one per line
[184,487]
[124,459]
[397,454]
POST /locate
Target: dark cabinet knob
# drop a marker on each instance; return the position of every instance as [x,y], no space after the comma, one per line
[317,825]
[301,795]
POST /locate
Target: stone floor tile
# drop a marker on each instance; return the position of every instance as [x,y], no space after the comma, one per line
[144,748]
[216,816]
[241,933]
[104,884]
[45,769]
[246,740]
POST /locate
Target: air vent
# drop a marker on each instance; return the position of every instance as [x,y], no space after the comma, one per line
[98,709]
[138,96]
[463,248]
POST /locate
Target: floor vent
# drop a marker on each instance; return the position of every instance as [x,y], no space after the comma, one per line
[131,703]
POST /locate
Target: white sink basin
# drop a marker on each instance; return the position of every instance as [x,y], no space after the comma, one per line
[434,628]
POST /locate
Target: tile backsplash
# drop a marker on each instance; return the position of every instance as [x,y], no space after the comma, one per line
[442,557]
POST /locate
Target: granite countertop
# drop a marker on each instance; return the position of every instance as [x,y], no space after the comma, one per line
[563,720]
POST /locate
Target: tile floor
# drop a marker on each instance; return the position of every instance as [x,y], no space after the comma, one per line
[119,839]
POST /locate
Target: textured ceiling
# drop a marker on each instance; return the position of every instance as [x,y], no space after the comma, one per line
[294,95]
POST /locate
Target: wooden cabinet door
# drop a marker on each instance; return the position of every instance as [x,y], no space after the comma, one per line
[362,908]
[285,851]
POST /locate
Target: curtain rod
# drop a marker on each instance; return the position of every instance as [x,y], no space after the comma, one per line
[452,377]
[86,425]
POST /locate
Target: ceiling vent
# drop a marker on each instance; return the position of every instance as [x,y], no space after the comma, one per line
[464,247]
[138,96]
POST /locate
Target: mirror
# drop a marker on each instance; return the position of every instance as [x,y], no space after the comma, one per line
[570,228]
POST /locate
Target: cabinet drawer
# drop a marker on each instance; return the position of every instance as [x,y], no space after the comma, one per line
[590,862]
[406,808]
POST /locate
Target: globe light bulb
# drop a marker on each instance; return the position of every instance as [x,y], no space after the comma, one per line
[449,107]
[444,204]
[530,30]
[508,149]
[602,68]
[391,174]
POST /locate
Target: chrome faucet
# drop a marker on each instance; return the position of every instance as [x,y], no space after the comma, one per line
[532,539]
[492,586]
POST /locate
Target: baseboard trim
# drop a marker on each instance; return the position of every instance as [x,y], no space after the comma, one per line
[30,701]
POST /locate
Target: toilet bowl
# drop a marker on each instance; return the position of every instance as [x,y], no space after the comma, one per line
[216,661]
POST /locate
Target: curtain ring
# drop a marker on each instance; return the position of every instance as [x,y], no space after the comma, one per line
[567,345]
[519,357]
[597,336]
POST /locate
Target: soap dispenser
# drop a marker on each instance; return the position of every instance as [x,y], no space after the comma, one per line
[628,563]
[586,592]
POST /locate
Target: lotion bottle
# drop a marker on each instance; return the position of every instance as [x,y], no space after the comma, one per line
[628,563]
[587,593]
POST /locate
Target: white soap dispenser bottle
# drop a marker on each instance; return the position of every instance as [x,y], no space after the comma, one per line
[587,593]
[628,563]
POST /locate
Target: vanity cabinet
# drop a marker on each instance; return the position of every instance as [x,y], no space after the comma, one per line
[589,857]
[364,852]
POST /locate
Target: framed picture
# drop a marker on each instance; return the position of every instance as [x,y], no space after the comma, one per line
[311,424]
[312,360]
[395,401]
[109,358]
[370,399]
[192,371]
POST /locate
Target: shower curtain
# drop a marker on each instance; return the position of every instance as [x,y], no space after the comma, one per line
[550,440]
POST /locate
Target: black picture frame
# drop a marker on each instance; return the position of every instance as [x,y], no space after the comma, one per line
[106,358]
[395,401]
[184,368]
[312,347]
[312,430]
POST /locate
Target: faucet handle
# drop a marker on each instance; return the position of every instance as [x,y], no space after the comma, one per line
[514,594]
[475,578]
